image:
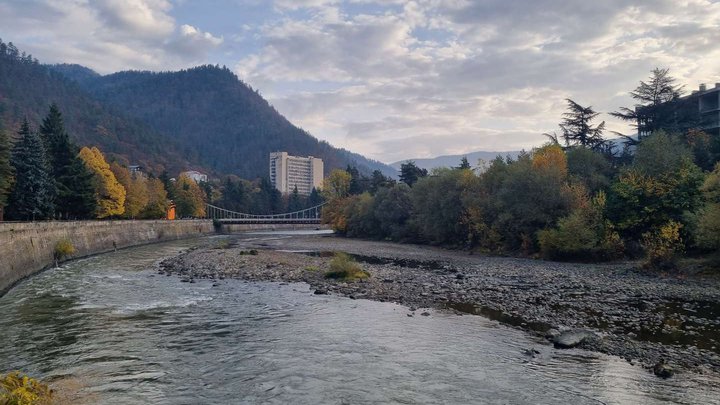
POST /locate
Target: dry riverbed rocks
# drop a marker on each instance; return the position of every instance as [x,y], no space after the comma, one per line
[657,322]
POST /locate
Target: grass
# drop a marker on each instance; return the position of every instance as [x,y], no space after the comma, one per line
[63,248]
[312,268]
[223,244]
[19,389]
[343,267]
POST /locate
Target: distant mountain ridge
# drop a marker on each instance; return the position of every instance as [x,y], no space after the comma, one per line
[454,160]
[203,118]
[218,120]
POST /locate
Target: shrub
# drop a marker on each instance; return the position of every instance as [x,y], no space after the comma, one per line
[343,267]
[19,389]
[63,249]
[662,246]
[582,235]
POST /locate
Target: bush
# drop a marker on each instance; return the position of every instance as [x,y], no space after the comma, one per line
[582,235]
[343,267]
[662,246]
[63,249]
[19,389]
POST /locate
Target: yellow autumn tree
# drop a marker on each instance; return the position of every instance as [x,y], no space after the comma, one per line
[336,185]
[189,198]
[136,190]
[157,200]
[550,159]
[109,193]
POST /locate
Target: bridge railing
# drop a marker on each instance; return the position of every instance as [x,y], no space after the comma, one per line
[215,212]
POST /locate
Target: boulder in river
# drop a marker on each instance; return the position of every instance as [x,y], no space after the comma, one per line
[663,370]
[571,338]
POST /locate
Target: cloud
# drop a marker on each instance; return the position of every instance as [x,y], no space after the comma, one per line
[431,77]
[397,79]
[106,35]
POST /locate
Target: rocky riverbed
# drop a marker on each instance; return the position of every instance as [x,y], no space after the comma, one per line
[661,323]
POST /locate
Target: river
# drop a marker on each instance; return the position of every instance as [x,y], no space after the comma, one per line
[131,336]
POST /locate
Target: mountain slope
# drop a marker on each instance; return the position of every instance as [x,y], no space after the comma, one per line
[221,123]
[27,88]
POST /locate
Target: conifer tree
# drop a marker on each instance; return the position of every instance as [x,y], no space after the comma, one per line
[294,201]
[109,193]
[6,171]
[33,193]
[464,164]
[577,128]
[75,193]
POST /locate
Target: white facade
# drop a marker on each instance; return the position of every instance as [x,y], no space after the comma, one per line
[288,172]
[197,176]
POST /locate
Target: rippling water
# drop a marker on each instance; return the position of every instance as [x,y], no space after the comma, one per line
[134,337]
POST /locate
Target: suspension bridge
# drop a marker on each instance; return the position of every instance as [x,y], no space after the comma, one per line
[310,215]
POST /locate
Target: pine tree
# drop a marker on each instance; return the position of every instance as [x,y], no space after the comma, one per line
[294,201]
[72,180]
[658,106]
[79,200]
[6,171]
[577,128]
[464,164]
[410,173]
[33,193]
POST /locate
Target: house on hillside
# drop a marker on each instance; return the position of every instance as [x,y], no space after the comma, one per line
[196,176]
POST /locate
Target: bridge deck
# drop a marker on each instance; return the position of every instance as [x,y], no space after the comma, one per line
[269,221]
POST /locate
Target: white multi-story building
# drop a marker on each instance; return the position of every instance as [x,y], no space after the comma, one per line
[288,172]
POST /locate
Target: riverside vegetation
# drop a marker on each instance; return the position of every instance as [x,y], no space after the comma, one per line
[578,198]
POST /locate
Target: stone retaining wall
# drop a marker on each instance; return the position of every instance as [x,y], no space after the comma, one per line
[28,247]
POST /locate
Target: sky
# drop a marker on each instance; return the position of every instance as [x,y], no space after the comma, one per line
[395,79]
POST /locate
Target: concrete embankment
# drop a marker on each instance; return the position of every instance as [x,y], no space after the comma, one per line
[28,247]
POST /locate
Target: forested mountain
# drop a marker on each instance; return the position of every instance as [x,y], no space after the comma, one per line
[220,122]
[203,118]
[27,89]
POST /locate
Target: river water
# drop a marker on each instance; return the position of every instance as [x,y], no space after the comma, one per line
[131,336]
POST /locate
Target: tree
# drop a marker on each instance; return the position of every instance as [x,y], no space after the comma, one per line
[6,171]
[314,199]
[577,128]
[438,211]
[464,164]
[392,210]
[73,182]
[157,205]
[109,193]
[708,218]
[410,173]
[591,168]
[658,106]
[235,194]
[33,194]
[136,191]
[336,185]
[358,182]
[378,181]
[294,201]
[189,198]
[661,186]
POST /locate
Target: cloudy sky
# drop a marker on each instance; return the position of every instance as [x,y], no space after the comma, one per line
[395,79]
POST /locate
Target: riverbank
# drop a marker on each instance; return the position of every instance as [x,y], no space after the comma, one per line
[640,317]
